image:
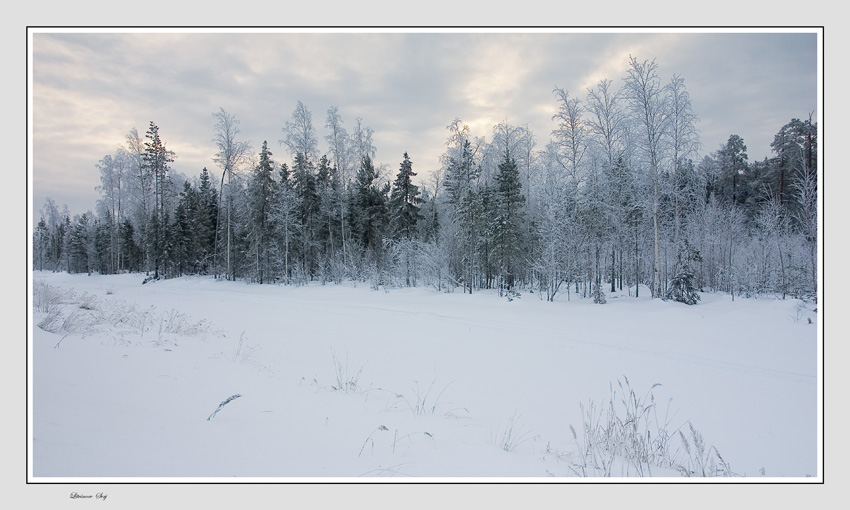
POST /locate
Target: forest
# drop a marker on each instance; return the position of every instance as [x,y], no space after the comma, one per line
[622,195]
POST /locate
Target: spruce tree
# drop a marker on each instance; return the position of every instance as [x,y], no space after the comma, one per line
[102,245]
[404,202]
[79,238]
[40,244]
[304,185]
[369,214]
[133,256]
[328,230]
[507,221]
[261,191]
[182,252]
[204,221]
[682,286]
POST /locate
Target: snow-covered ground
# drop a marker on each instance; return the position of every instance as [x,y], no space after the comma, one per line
[343,381]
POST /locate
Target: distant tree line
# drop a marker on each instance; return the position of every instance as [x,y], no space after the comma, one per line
[615,199]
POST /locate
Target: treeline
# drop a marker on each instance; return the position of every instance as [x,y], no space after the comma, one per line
[614,200]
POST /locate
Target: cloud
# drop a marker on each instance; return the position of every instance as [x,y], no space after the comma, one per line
[90,89]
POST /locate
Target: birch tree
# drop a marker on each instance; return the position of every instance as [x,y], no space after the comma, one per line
[607,125]
[141,185]
[607,119]
[648,106]
[113,189]
[231,154]
[341,155]
[684,141]
[571,133]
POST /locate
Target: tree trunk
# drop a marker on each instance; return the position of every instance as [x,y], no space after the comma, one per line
[656,271]
[637,266]
[613,269]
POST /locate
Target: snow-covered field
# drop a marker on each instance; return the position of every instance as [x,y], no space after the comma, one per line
[346,382]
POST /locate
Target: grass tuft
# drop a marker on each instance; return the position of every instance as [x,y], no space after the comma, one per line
[700,460]
[347,377]
[629,430]
[425,402]
[512,435]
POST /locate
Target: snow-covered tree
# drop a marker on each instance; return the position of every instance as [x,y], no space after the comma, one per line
[404,201]
[369,214]
[156,160]
[261,194]
[571,133]
[649,109]
[341,158]
[507,224]
[285,219]
[684,142]
[329,231]
[299,134]
[465,199]
[231,154]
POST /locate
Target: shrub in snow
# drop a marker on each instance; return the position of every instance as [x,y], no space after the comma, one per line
[45,298]
[598,294]
[682,287]
[512,294]
[53,322]
[88,302]
[85,314]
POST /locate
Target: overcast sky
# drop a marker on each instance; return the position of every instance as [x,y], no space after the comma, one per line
[89,90]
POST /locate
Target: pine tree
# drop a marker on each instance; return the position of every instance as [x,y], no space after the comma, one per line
[795,146]
[156,159]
